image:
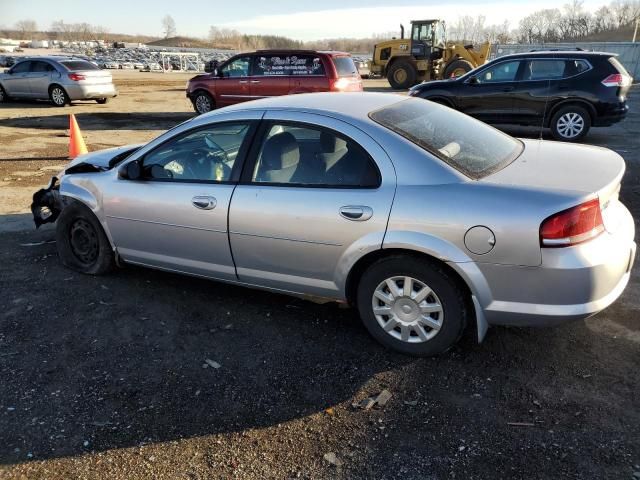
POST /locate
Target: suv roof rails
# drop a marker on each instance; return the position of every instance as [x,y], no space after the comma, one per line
[577,49]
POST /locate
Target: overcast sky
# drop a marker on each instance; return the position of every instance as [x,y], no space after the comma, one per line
[292,18]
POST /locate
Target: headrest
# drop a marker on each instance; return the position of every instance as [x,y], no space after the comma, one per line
[280,151]
[331,143]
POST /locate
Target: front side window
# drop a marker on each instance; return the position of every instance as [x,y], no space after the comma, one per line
[236,68]
[21,67]
[544,70]
[207,154]
[502,72]
[468,145]
[298,154]
[41,67]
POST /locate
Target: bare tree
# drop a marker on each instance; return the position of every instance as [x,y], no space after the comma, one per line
[168,26]
[26,28]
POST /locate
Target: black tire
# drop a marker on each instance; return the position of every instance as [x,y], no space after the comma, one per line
[402,75]
[58,96]
[102,101]
[4,98]
[561,123]
[200,101]
[81,242]
[445,288]
[457,68]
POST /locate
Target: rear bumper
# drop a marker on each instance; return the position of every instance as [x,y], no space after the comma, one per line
[88,92]
[611,116]
[571,283]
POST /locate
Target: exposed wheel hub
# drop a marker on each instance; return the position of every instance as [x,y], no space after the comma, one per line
[407,309]
[84,241]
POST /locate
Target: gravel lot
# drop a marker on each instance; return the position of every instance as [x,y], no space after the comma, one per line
[105,377]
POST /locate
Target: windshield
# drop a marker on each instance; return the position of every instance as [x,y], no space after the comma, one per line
[468,145]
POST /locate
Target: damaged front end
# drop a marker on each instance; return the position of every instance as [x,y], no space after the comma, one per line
[47,203]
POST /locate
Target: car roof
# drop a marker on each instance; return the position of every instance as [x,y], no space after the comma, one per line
[346,105]
[297,51]
[557,53]
[52,58]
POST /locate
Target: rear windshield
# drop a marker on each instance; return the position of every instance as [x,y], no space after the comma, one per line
[468,145]
[75,65]
[345,66]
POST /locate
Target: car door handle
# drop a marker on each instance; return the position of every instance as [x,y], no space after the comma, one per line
[243,81]
[508,89]
[255,81]
[204,202]
[357,213]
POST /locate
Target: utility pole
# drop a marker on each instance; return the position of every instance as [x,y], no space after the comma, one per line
[635,30]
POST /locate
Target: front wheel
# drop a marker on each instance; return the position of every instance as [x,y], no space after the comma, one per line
[402,75]
[58,96]
[102,101]
[412,306]
[81,242]
[202,102]
[3,95]
[570,123]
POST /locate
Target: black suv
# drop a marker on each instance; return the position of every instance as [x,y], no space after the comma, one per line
[568,92]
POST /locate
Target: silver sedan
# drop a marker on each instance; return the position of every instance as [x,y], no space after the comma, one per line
[426,220]
[57,79]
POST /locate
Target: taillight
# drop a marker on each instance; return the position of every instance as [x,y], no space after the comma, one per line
[341,84]
[617,80]
[572,226]
[76,76]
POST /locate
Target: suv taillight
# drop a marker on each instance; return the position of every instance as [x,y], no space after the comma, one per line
[616,80]
[346,84]
[572,226]
[76,76]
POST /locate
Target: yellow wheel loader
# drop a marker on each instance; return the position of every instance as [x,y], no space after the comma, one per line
[425,56]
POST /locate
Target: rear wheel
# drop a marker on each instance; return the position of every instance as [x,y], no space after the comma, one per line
[402,75]
[412,306]
[202,102]
[3,95]
[102,101]
[457,68]
[58,96]
[81,242]
[570,123]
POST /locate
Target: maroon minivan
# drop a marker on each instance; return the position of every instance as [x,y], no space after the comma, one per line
[269,73]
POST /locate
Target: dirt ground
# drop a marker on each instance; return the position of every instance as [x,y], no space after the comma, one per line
[105,377]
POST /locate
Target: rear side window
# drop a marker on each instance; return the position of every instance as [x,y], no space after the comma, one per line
[468,145]
[304,155]
[277,65]
[76,65]
[345,66]
[544,70]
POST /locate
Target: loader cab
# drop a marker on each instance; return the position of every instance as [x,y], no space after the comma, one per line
[427,39]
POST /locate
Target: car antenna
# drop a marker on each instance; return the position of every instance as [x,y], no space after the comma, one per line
[546,103]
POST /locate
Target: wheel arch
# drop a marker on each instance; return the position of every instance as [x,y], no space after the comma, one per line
[571,101]
[461,276]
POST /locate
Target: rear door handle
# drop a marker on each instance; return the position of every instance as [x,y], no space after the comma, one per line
[255,81]
[356,213]
[204,202]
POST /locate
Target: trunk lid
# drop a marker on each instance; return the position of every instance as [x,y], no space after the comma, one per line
[584,169]
[95,77]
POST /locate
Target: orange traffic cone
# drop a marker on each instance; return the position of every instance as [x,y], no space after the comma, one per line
[76,142]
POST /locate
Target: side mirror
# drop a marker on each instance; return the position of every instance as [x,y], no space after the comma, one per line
[473,80]
[130,171]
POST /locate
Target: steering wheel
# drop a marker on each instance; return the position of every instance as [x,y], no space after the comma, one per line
[218,151]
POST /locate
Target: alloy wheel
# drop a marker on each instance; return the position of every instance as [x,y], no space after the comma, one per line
[203,104]
[570,125]
[57,95]
[407,309]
